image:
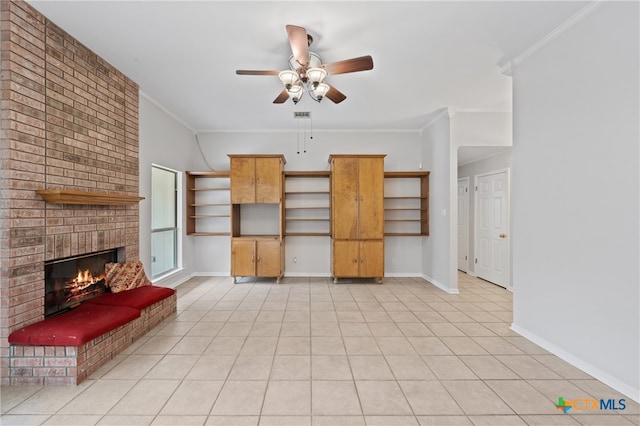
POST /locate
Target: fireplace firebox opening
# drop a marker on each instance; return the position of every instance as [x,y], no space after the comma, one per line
[71,280]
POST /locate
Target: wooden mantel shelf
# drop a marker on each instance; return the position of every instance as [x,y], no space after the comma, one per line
[62,196]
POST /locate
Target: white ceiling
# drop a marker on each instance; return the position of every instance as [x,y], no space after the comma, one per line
[427,55]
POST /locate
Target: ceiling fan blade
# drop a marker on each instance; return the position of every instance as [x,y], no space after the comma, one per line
[256,72]
[282,97]
[335,95]
[299,44]
[363,63]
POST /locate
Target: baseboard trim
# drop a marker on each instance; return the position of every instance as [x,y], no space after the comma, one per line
[579,363]
[307,274]
[440,285]
[172,280]
[211,274]
[403,275]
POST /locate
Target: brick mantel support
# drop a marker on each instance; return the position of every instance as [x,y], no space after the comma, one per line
[69,121]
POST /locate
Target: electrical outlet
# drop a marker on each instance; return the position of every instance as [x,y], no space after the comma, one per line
[394,262]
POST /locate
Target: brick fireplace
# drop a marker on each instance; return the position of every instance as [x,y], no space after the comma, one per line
[69,121]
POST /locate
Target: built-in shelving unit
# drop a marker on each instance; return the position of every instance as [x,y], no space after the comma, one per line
[406,203]
[208,204]
[307,203]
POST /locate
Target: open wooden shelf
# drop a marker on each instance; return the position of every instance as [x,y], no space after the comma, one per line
[303,192]
[207,197]
[415,202]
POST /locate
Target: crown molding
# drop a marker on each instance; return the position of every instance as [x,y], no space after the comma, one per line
[448,111]
[166,111]
[509,65]
[483,110]
[315,130]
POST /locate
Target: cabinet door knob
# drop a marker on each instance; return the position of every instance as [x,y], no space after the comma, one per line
[355,260]
[503,235]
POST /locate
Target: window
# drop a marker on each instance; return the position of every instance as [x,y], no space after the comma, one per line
[164,223]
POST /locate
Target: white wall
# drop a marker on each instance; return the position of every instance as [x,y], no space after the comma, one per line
[576,196]
[166,142]
[436,257]
[481,128]
[497,162]
[313,254]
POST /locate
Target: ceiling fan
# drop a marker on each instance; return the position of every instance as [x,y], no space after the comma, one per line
[307,72]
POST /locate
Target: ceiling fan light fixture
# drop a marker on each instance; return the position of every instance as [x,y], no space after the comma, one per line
[320,91]
[295,93]
[307,72]
[288,78]
[316,75]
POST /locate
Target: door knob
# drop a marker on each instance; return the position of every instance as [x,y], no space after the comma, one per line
[503,235]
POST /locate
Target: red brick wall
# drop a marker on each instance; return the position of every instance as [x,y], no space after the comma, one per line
[69,120]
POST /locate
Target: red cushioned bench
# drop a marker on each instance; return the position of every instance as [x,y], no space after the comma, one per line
[67,348]
[138,298]
[75,327]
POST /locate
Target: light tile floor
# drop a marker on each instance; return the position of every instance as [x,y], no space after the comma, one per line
[308,352]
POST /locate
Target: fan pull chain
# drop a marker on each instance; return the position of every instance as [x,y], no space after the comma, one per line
[298,138]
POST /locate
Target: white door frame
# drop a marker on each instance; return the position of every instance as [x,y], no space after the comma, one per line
[509,283]
[465,213]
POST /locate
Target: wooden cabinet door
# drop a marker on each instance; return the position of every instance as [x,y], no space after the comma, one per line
[371,198]
[346,259]
[269,258]
[243,258]
[344,198]
[372,258]
[268,180]
[243,180]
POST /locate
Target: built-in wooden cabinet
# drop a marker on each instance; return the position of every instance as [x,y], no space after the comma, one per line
[256,178]
[358,258]
[357,216]
[256,257]
[257,216]
[207,209]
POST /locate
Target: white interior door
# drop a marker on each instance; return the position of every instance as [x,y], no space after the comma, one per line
[492,227]
[463,224]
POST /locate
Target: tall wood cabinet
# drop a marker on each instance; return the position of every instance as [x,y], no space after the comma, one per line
[257,248]
[357,216]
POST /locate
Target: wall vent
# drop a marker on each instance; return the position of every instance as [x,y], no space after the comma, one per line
[302,114]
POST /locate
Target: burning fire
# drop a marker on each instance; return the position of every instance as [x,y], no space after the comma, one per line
[83,280]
